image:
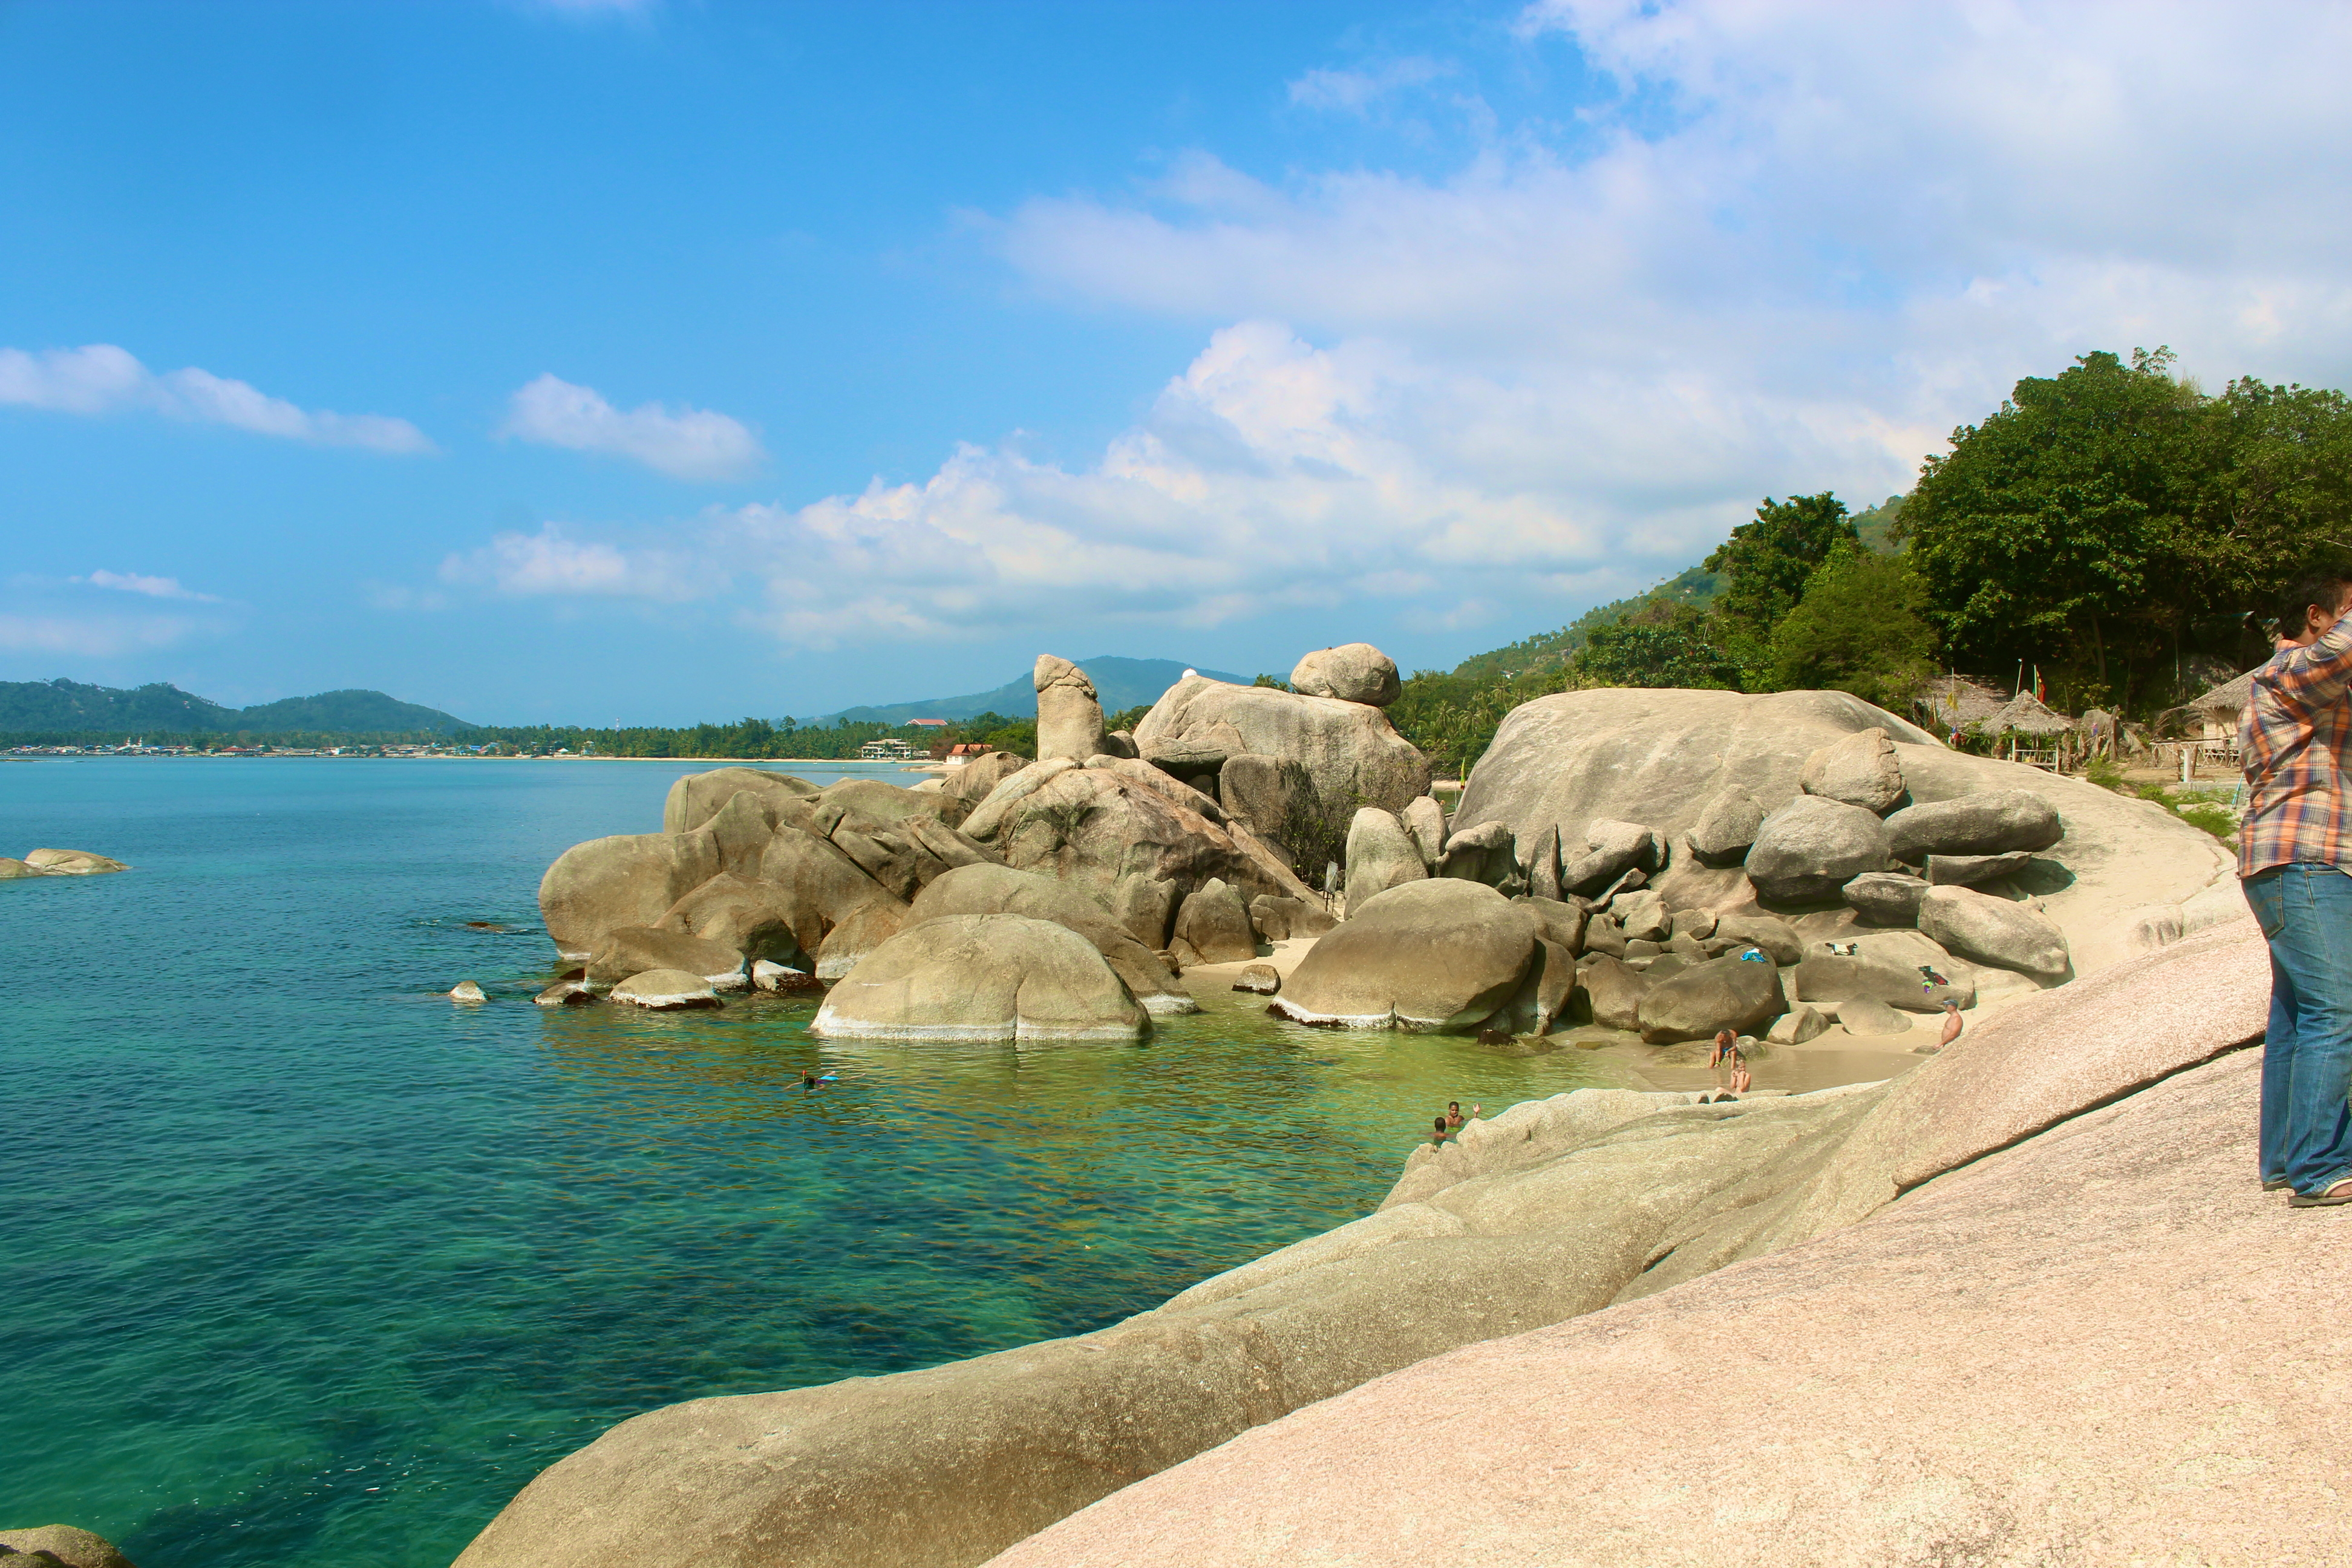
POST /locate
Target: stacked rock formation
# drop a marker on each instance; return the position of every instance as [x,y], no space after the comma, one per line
[1177,846]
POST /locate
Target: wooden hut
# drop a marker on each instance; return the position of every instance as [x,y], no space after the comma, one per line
[2213,718]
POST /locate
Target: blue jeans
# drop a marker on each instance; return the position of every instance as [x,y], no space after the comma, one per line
[2305,913]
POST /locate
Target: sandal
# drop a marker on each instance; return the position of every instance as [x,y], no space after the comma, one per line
[2341,1192]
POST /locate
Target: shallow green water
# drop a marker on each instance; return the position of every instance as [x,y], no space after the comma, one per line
[310,1267]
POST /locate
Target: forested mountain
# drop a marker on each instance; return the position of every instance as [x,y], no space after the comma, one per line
[67,706]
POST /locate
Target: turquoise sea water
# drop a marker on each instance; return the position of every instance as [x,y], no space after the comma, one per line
[311,1267]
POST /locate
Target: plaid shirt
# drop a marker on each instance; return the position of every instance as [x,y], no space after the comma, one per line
[2297,731]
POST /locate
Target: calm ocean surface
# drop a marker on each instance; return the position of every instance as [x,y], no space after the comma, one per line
[311,1267]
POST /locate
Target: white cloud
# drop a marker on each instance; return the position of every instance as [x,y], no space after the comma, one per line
[101,378]
[93,636]
[549,563]
[1355,91]
[1789,251]
[690,444]
[133,583]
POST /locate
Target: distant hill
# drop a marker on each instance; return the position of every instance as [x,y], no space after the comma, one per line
[1122,683]
[69,707]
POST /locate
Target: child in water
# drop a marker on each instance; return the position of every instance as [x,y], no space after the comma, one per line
[1437,1133]
[1453,1119]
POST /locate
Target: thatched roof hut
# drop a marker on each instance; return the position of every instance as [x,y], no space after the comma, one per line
[2026,714]
[1954,702]
[2227,700]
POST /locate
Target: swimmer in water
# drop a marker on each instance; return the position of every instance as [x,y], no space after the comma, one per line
[1437,1133]
[811,1083]
[1453,1119]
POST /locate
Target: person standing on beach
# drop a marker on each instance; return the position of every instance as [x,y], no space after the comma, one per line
[2294,857]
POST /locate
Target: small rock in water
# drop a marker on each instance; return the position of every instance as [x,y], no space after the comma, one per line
[1495,1036]
[466,991]
[71,863]
[485,925]
[662,989]
[775,977]
[1261,978]
[569,991]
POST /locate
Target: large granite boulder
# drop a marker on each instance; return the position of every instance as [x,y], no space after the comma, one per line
[1987,824]
[1660,758]
[1266,792]
[879,801]
[1861,769]
[1812,846]
[1884,898]
[1483,854]
[758,920]
[1735,993]
[1994,931]
[1381,853]
[817,884]
[1727,825]
[695,798]
[1352,672]
[857,933]
[628,879]
[982,977]
[1775,936]
[1123,823]
[633,950]
[1425,820]
[72,863]
[1279,920]
[1610,847]
[961,789]
[1969,870]
[1213,926]
[1438,955]
[1347,753]
[1069,713]
[1001,890]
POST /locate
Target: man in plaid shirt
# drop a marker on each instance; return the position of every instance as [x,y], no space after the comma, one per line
[2295,855]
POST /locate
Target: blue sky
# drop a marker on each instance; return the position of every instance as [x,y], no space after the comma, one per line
[649,363]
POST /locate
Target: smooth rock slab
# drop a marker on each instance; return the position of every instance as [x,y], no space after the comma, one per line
[2152,1377]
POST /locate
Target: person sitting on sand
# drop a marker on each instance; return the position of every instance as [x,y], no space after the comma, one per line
[1725,1043]
[1951,1024]
[1740,1079]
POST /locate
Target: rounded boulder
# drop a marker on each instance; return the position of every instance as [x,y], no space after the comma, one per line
[1814,846]
[1439,955]
[982,978]
[1352,672]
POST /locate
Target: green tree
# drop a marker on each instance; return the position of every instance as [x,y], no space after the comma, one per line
[2056,527]
[1860,628]
[1664,645]
[1766,563]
